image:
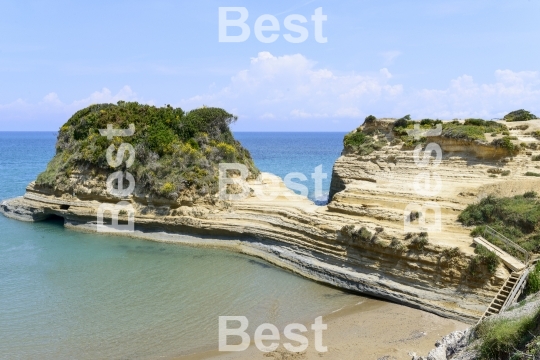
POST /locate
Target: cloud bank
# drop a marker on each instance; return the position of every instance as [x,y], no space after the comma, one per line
[291,92]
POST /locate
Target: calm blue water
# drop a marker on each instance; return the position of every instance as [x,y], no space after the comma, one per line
[66,295]
[283,153]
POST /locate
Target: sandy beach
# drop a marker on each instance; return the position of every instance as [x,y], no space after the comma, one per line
[373,329]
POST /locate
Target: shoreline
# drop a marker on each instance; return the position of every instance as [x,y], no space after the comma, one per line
[370,329]
[311,263]
[305,265]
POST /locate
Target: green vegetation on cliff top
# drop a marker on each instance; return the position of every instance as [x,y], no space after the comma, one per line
[367,138]
[175,151]
[517,218]
[519,115]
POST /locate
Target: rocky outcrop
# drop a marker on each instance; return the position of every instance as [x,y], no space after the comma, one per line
[357,242]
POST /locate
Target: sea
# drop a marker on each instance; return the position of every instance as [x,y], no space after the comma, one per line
[72,295]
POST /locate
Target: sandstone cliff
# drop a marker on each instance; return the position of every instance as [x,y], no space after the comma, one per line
[357,242]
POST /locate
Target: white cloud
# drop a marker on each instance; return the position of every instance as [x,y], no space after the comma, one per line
[292,87]
[51,111]
[466,98]
[293,92]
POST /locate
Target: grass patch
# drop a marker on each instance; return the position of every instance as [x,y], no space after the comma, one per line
[516,217]
[502,337]
[362,143]
[472,129]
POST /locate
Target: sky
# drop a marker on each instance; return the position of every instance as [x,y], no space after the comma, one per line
[429,59]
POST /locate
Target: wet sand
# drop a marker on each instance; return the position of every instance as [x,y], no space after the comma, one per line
[373,329]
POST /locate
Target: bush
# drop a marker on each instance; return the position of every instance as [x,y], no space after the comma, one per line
[175,151]
[515,217]
[451,253]
[370,119]
[419,241]
[361,143]
[355,139]
[413,215]
[506,143]
[519,115]
[351,232]
[430,122]
[530,173]
[486,258]
[536,158]
[505,173]
[472,129]
[403,122]
[530,195]
[533,282]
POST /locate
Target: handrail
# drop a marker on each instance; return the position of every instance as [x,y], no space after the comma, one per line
[516,291]
[507,241]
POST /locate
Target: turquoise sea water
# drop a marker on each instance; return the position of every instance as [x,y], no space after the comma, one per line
[66,295]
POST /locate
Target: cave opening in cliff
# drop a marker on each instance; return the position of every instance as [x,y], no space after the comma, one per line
[55,219]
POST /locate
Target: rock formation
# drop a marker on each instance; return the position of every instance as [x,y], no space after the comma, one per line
[357,242]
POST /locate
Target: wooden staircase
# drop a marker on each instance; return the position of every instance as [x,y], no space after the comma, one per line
[502,296]
[510,291]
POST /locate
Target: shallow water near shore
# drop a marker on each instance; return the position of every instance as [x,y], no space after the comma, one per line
[66,294]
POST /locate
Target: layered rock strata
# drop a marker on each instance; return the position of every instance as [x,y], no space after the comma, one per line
[357,242]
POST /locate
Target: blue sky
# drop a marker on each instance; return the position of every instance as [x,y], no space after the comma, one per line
[440,59]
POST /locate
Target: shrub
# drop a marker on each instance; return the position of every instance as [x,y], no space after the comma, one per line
[505,173]
[430,122]
[397,245]
[530,173]
[419,241]
[530,195]
[472,129]
[506,143]
[361,143]
[475,122]
[535,158]
[413,215]
[515,217]
[450,253]
[403,122]
[174,151]
[533,282]
[519,115]
[355,139]
[364,234]
[520,127]
[351,232]
[370,119]
[487,258]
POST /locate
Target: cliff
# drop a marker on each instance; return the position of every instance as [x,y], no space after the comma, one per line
[357,242]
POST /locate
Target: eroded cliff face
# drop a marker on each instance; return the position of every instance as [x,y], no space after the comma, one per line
[357,242]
